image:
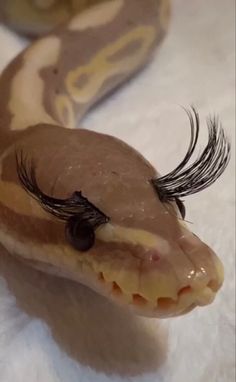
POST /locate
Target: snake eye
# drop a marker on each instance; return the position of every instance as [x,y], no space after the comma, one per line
[181,207]
[80,234]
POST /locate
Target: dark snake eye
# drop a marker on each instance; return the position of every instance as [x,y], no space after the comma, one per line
[181,207]
[80,234]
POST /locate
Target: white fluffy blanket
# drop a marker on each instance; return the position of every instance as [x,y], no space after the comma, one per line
[54,331]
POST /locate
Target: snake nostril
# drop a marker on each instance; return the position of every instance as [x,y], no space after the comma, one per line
[139,300]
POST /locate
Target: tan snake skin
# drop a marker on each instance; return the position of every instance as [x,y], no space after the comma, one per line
[145,257]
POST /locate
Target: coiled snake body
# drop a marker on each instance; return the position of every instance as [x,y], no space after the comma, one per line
[84,205]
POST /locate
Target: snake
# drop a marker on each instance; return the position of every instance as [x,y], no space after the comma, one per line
[83,205]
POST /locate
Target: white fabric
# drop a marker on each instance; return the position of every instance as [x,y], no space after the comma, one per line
[51,331]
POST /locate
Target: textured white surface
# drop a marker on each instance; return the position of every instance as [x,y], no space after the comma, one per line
[51,331]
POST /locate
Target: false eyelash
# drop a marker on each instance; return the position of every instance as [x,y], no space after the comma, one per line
[64,209]
[205,170]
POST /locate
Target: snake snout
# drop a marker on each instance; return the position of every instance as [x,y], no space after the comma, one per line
[160,278]
[186,276]
[207,274]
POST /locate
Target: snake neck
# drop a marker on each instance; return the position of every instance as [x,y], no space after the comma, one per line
[57,79]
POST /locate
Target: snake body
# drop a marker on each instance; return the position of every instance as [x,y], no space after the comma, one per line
[80,204]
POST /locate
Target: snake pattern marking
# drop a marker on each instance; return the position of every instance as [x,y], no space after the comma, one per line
[83,205]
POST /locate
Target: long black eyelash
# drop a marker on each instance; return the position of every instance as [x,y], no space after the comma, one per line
[206,169]
[63,209]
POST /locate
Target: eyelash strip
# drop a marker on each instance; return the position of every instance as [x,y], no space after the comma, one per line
[205,170]
[64,209]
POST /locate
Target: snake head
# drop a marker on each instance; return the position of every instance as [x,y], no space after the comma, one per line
[95,211]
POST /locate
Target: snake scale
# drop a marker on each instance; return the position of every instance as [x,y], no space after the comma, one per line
[84,205]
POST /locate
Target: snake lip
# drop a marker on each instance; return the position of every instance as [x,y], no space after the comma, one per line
[187,299]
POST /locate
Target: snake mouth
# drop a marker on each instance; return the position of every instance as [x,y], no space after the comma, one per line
[186,299]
